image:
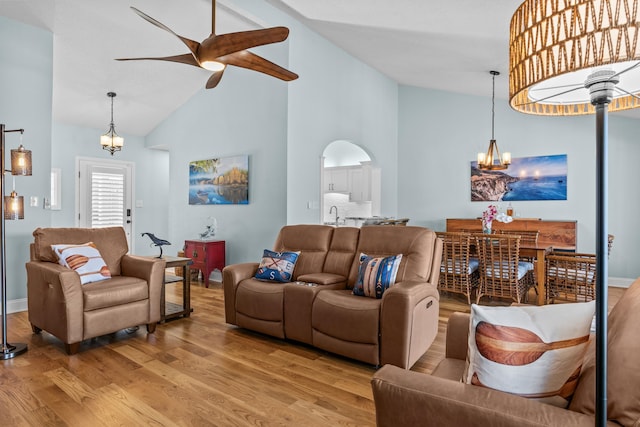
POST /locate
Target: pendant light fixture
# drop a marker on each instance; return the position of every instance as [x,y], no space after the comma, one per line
[578,57]
[111,141]
[491,160]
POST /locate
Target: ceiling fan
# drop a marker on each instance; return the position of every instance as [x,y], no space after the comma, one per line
[219,50]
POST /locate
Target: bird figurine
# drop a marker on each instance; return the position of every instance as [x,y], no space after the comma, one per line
[157,242]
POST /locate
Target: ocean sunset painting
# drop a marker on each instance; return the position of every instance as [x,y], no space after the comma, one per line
[527,178]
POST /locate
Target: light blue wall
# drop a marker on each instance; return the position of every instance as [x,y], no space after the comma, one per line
[284,127]
[26,70]
[337,97]
[151,177]
[245,115]
[441,132]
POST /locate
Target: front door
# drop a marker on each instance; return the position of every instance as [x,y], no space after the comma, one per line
[105,194]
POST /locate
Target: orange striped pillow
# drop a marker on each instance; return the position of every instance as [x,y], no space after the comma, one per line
[85,259]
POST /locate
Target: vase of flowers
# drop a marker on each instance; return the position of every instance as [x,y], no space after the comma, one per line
[487,218]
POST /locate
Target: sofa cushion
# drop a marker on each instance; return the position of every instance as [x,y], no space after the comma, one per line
[113,292]
[260,300]
[323,278]
[311,240]
[342,251]
[84,260]
[110,241]
[277,266]
[376,274]
[530,351]
[344,316]
[416,244]
[623,375]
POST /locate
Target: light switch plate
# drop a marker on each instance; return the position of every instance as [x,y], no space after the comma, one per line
[33,201]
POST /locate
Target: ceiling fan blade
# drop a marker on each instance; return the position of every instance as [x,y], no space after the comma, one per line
[186,58]
[214,79]
[224,44]
[251,61]
[191,44]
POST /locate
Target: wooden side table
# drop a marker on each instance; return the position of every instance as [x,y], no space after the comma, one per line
[207,255]
[170,310]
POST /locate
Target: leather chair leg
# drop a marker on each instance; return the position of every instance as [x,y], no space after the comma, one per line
[151,327]
[72,348]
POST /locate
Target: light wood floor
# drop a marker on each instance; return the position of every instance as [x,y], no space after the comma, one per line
[192,372]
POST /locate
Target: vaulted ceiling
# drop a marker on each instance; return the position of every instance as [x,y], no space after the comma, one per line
[447,45]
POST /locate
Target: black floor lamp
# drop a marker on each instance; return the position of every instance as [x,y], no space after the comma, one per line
[12,207]
[571,58]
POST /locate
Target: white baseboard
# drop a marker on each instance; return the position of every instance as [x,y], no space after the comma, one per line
[16,305]
[620,282]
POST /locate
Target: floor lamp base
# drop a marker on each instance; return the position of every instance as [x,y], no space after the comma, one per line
[12,350]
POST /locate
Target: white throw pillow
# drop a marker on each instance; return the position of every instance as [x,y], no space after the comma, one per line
[531,351]
[85,259]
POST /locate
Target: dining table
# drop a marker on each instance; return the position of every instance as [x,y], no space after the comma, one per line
[538,252]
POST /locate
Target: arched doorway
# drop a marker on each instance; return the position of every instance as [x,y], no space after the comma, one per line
[350,185]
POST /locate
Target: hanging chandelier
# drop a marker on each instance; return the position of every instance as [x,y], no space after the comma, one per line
[491,160]
[111,141]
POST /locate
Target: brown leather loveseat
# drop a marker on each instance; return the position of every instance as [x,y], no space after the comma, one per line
[396,329]
[59,304]
[441,399]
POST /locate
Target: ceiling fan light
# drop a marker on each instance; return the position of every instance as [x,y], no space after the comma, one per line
[214,66]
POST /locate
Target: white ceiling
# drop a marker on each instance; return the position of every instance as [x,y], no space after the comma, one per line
[449,45]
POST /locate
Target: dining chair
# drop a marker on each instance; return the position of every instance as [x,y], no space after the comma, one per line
[570,277]
[458,270]
[527,237]
[502,273]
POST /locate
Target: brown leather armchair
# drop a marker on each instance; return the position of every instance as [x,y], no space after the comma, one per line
[410,398]
[59,304]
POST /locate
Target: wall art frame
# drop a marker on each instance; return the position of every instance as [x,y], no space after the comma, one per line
[219,181]
[526,179]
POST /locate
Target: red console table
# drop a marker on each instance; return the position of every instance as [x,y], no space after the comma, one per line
[207,255]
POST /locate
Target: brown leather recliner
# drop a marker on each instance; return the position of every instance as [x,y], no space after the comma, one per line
[396,329]
[59,304]
[412,398]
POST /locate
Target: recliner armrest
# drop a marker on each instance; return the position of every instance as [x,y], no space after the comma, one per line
[231,276]
[457,337]
[150,270]
[141,267]
[407,398]
[408,322]
[54,298]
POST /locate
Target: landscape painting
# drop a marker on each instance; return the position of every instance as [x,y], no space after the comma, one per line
[220,181]
[527,178]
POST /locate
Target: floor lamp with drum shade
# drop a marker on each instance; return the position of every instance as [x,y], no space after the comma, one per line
[575,57]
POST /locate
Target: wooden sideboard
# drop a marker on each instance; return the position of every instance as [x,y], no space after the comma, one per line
[561,235]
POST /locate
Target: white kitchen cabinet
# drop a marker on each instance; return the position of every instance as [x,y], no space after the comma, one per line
[360,190]
[364,183]
[336,180]
[357,181]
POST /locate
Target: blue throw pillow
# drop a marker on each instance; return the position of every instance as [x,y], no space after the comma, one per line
[375,275]
[277,266]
